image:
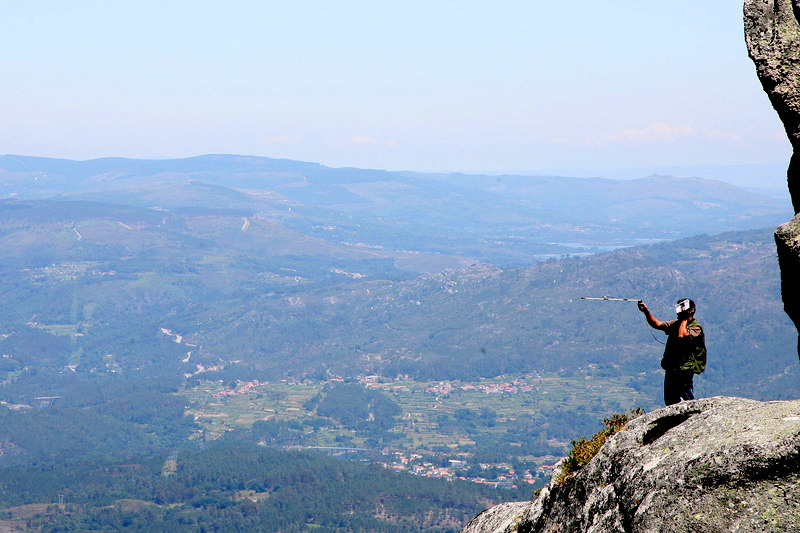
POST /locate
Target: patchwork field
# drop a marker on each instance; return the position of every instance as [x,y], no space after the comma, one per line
[447,419]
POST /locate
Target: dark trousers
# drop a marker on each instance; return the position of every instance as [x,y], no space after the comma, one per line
[678,386]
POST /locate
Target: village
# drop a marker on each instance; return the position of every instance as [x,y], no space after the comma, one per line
[423,454]
[500,475]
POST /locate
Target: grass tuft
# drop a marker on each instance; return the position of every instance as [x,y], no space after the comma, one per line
[584,450]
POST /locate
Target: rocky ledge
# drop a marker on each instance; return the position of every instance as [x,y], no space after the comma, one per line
[708,465]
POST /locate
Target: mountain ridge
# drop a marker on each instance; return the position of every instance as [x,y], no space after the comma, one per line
[506,220]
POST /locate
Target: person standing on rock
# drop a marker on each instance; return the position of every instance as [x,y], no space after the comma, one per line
[685,352]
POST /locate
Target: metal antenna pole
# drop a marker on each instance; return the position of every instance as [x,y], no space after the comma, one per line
[610,299]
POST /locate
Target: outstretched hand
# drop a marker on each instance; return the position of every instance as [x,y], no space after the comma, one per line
[654,323]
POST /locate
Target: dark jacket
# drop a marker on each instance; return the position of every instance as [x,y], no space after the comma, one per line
[685,353]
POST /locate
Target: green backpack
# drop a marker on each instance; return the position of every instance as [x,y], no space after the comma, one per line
[697,359]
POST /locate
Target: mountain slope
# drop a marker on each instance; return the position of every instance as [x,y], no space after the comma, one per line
[94,287]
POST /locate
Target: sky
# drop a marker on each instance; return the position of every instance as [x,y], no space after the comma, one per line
[469,86]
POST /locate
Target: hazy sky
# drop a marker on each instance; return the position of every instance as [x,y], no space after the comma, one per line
[434,85]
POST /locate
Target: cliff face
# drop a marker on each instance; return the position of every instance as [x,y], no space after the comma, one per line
[714,464]
[772,33]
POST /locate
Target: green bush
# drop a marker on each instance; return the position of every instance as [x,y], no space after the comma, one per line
[584,450]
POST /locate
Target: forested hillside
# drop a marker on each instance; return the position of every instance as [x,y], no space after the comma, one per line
[91,289]
[236,488]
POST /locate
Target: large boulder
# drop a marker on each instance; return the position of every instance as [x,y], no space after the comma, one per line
[772,34]
[708,465]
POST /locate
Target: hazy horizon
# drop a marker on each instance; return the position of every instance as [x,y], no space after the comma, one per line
[450,87]
[768,178]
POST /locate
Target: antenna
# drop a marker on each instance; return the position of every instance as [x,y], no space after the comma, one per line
[610,299]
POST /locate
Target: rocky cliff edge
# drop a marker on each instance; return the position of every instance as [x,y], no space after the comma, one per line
[708,465]
[772,34]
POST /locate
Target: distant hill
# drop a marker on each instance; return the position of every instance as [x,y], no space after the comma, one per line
[485,321]
[505,220]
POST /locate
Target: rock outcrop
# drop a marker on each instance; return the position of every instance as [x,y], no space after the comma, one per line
[772,33]
[787,239]
[708,465]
